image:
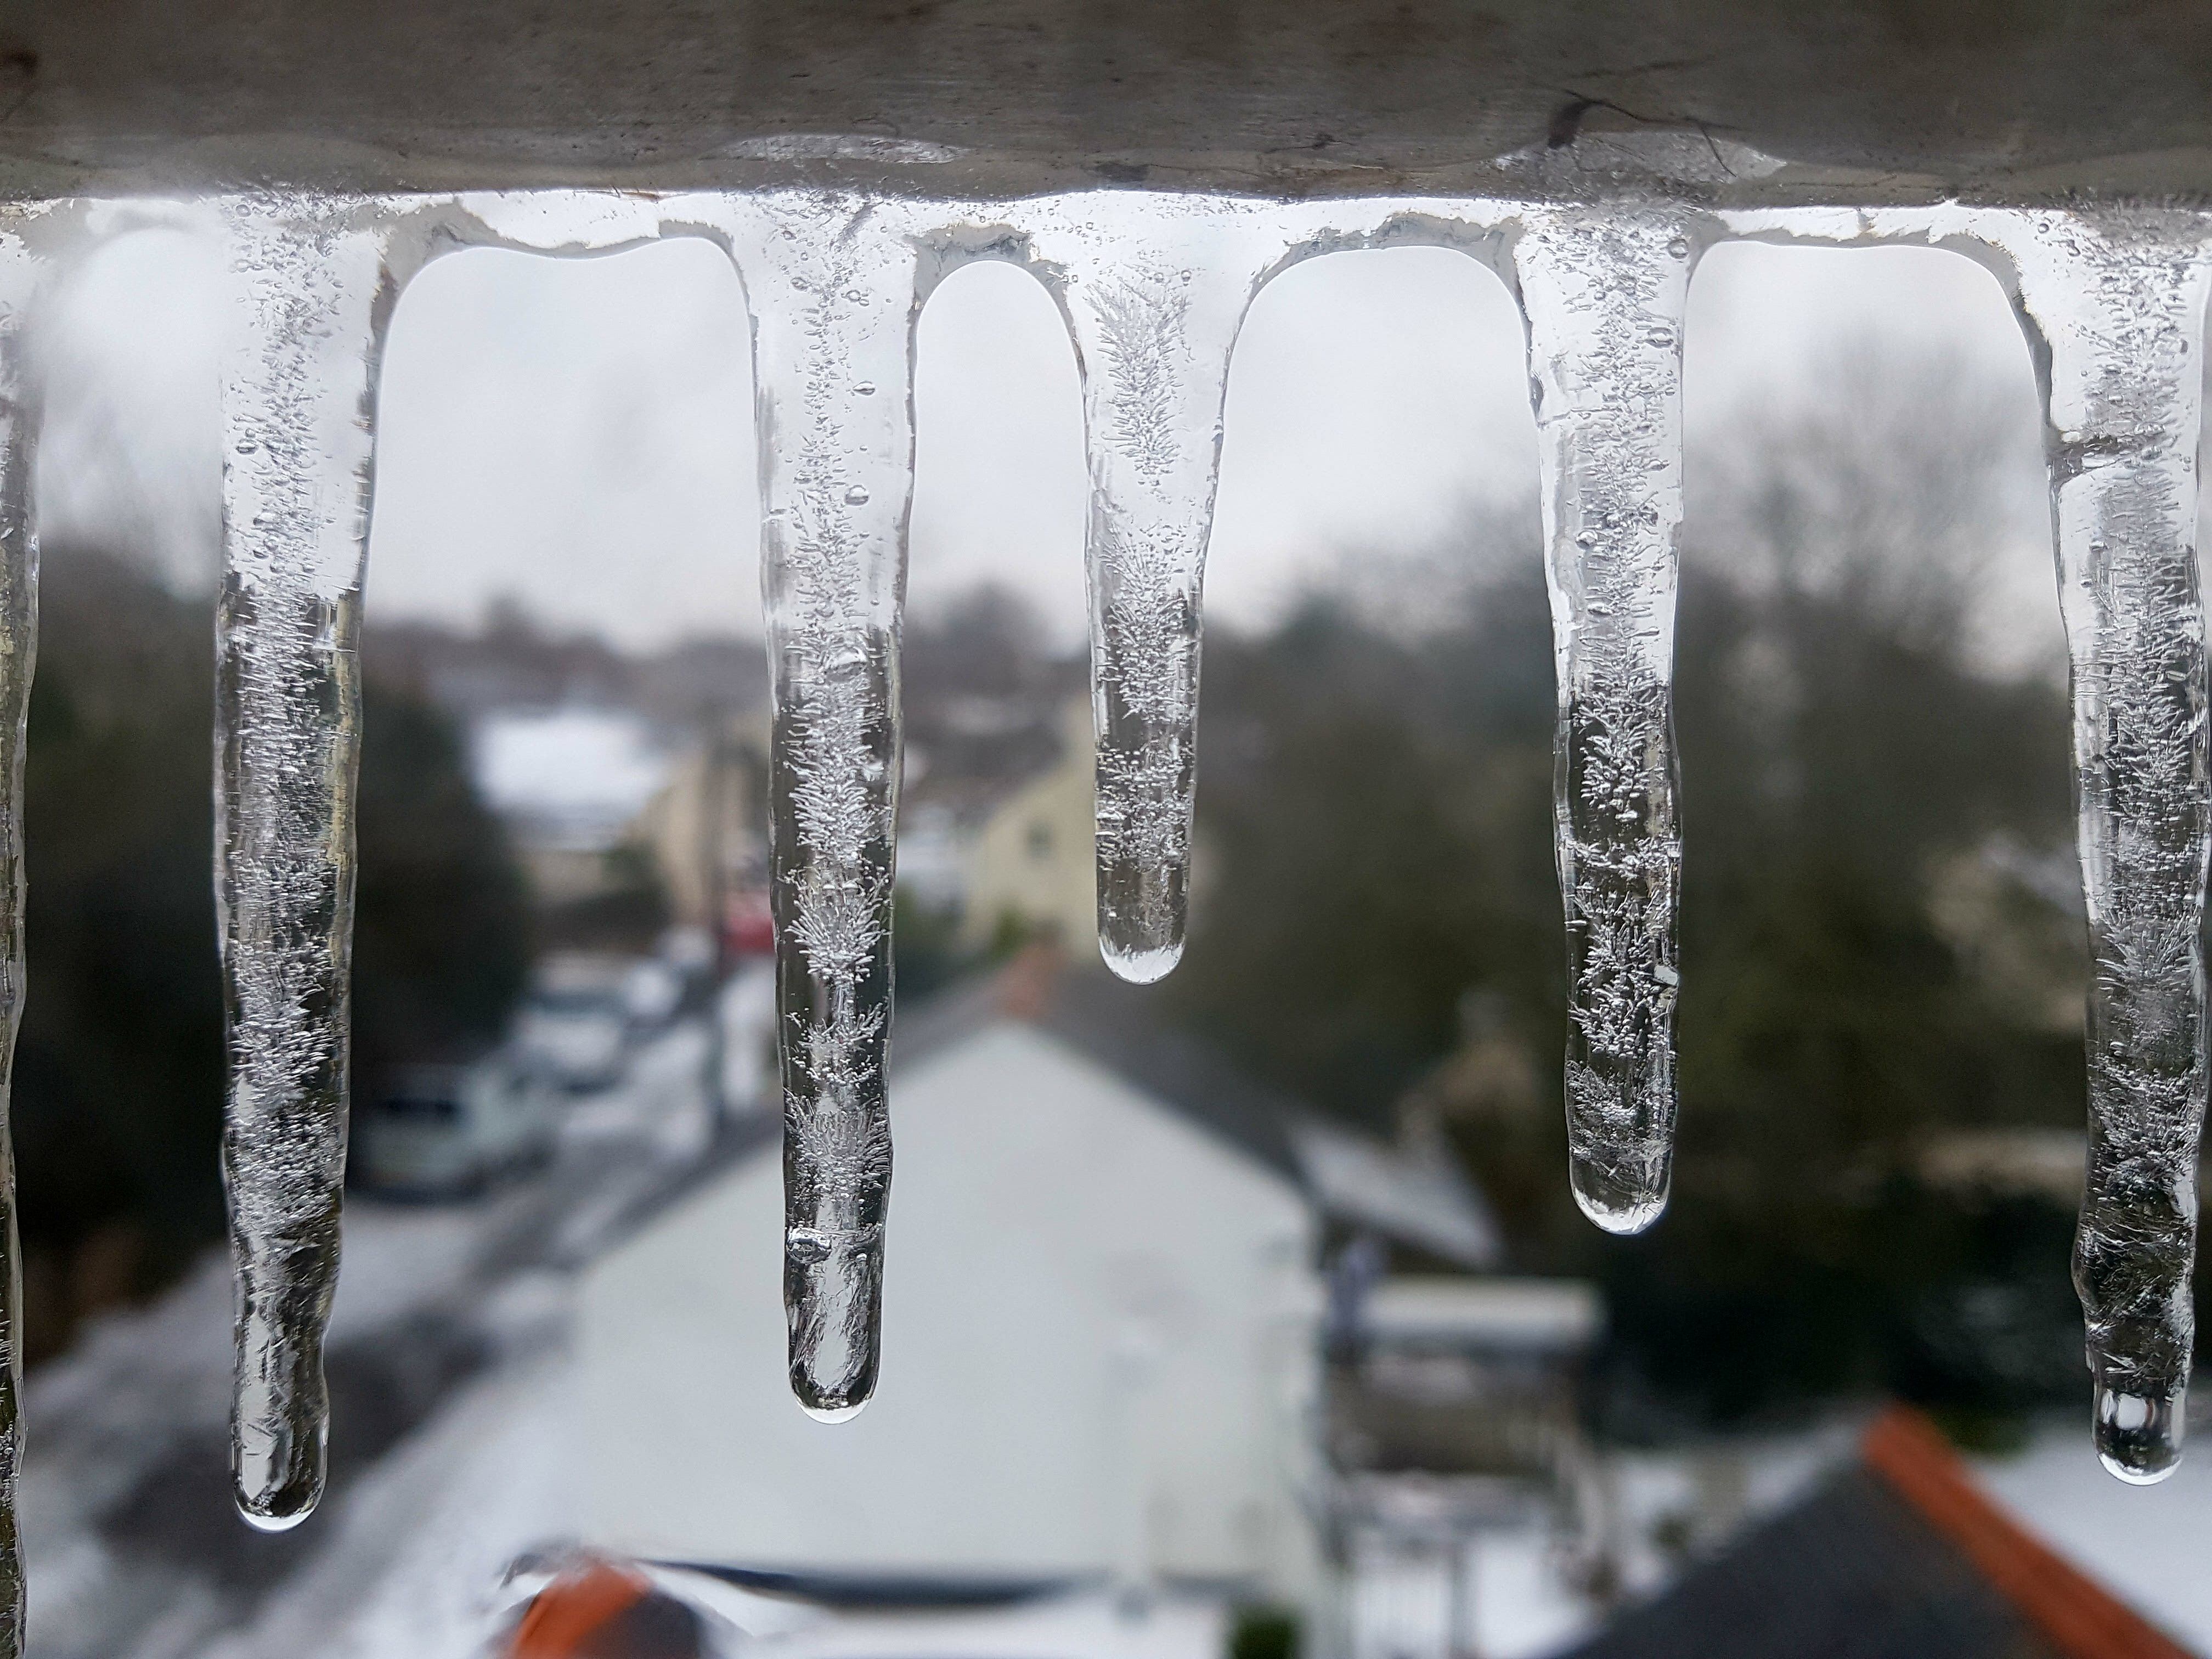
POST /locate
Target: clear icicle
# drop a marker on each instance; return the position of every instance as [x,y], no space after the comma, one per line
[1155,324]
[19,630]
[1604,294]
[2120,304]
[832,288]
[297,387]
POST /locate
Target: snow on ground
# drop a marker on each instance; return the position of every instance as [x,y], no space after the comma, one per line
[456,1311]
[420,1547]
[1522,1609]
[2148,1545]
[1091,1624]
[395,1258]
[145,1383]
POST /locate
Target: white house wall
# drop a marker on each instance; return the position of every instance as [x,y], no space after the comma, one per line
[1097,1354]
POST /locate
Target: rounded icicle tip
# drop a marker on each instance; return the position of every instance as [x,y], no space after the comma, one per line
[833,1300]
[278,1511]
[277,1470]
[1141,967]
[273,1523]
[2138,1437]
[1620,1206]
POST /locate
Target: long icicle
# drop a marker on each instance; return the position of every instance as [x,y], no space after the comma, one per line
[2118,303]
[297,390]
[1155,318]
[19,273]
[1604,294]
[833,292]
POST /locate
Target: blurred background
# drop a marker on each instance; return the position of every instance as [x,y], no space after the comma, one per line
[1246,1314]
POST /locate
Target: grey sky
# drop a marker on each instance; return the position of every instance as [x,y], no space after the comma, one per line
[578,432]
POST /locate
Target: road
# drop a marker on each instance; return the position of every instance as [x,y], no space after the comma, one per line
[450,1326]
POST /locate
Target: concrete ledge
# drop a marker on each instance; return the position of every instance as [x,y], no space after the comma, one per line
[1864,99]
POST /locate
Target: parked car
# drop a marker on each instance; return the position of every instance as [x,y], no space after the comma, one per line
[439,1131]
[653,993]
[746,1008]
[575,1028]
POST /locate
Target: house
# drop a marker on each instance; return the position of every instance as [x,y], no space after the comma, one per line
[1454,1432]
[1899,1554]
[1031,859]
[1102,1329]
[699,826]
[569,782]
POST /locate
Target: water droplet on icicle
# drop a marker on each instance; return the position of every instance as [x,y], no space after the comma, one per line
[2117,299]
[294,397]
[1155,335]
[20,274]
[1605,294]
[836,296]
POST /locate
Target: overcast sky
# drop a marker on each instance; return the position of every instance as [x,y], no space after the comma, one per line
[577,434]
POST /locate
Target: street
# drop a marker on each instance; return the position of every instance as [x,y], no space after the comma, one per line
[446,1409]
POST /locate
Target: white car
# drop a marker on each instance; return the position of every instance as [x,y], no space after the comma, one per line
[652,992]
[439,1131]
[746,1009]
[575,1030]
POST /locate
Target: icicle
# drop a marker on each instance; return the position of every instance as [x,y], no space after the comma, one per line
[297,386]
[1154,322]
[2120,304]
[832,289]
[1604,295]
[19,628]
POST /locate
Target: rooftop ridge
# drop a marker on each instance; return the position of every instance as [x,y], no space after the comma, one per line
[2079,1615]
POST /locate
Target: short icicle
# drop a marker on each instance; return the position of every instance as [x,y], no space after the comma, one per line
[19,273]
[298,380]
[2119,301]
[1604,294]
[832,286]
[1154,316]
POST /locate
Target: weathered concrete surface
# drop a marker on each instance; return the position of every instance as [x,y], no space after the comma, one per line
[1873,100]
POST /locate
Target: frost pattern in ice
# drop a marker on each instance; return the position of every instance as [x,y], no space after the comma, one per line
[297,384]
[1155,321]
[2119,301]
[19,629]
[1604,294]
[832,286]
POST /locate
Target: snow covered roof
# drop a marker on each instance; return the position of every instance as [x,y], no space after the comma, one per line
[1898,1555]
[1422,1200]
[1419,1201]
[568,777]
